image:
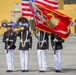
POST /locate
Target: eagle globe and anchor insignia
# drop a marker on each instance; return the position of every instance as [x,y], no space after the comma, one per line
[53,22]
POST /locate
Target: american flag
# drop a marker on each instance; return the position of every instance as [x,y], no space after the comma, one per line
[26,10]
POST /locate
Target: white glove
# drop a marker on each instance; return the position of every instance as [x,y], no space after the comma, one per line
[53,47]
[7,39]
[8,47]
[22,28]
[55,40]
[15,30]
[38,35]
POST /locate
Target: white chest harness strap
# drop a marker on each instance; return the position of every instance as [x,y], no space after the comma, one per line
[43,40]
[26,40]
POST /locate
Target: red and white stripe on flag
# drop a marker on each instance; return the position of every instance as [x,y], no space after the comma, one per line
[48,3]
[26,10]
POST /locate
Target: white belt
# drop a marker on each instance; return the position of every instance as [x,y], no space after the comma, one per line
[11,40]
[24,41]
[43,41]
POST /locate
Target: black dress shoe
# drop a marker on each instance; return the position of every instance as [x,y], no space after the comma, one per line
[41,71]
[26,70]
[22,70]
[57,70]
[9,71]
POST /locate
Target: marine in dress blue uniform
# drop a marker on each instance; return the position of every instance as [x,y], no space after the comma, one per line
[24,46]
[57,46]
[9,38]
[42,46]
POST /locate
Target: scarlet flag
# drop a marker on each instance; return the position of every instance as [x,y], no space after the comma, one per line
[51,20]
[58,23]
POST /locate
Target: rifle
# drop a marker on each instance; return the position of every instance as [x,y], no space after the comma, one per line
[7,45]
[54,48]
[7,42]
[55,40]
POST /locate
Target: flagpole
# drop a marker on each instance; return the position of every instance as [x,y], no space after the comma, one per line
[30,1]
[30,19]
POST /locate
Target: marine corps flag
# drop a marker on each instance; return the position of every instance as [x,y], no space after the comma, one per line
[51,20]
